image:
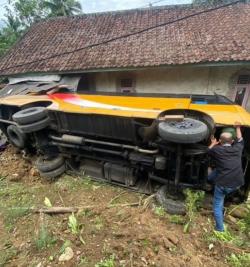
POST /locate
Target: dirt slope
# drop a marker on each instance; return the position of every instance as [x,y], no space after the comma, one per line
[109,228]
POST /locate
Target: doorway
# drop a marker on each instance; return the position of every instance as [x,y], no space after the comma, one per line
[86,83]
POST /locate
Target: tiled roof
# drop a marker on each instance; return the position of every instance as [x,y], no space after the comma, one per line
[221,35]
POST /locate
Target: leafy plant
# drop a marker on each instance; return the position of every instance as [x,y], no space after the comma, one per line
[106,262]
[192,203]
[240,260]
[159,211]
[44,238]
[225,236]
[73,224]
[47,202]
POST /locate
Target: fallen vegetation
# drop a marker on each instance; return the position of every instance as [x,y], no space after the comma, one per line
[78,222]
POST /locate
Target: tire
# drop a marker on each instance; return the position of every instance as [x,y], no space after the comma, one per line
[16,136]
[3,139]
[51,175]
[187,131]
[50,164]
[36,126]
[30,115]
[171,206]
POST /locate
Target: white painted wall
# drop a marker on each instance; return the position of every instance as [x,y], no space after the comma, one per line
[200,80]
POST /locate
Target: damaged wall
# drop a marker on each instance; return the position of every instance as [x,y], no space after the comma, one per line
[38,84]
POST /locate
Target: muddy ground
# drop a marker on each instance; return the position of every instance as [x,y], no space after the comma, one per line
[113,224]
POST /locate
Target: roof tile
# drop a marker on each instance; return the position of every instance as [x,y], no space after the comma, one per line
[217,36]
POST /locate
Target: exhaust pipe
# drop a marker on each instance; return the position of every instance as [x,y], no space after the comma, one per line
[78,140]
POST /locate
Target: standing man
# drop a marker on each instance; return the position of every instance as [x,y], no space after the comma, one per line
[228,176]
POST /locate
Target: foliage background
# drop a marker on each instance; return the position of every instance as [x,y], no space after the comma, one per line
[21,14]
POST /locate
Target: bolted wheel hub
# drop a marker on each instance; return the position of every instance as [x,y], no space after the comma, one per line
[182,124]
[188,131]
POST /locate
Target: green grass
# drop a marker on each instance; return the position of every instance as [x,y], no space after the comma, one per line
[145,243]
[239,260]
[11,215]
[98,223]
[177,219]
[110,262]
[239,239]
[15,202]
[226,237]
[192,202]
[244,224]
[6,255]
[83,261]
[68,182]
[159,211]
[86,213]
[73,183]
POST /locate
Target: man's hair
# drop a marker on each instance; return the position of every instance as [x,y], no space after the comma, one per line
[226,138]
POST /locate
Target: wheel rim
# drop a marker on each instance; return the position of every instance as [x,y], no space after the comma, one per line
[182,124]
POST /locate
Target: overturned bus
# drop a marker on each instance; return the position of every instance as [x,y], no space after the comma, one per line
[136,141]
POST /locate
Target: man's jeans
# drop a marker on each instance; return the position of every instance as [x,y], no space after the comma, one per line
[218,202]
[218,205]
[211,177]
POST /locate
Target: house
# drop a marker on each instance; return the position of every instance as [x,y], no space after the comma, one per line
[168,49]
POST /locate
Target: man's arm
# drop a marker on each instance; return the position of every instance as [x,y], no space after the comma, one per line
[214,142]
[238,131]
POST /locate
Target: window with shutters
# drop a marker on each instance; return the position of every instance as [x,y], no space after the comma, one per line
[126,85]
[244,79]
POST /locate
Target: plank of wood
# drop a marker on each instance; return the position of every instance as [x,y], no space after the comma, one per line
[56,210]
[61,210]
